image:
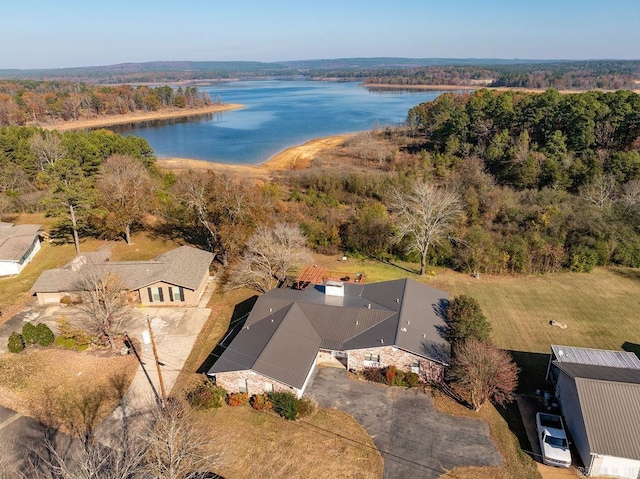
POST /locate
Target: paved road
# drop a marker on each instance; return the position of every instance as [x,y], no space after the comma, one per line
[415,440]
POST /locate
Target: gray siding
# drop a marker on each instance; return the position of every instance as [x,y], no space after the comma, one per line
[572,411]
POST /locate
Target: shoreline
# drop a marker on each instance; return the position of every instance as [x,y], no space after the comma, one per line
[113,120]
[297,157]
[393,86]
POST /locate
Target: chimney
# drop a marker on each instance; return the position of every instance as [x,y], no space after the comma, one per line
[334,288]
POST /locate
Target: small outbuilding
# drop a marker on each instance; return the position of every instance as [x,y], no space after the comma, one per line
[599,396]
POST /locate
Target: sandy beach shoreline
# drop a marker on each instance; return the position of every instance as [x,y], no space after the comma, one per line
[296,157]
[112,120]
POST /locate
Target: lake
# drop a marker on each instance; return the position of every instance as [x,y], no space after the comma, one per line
[278,114]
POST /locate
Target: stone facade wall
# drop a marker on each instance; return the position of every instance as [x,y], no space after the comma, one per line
[392,356]
[255,382]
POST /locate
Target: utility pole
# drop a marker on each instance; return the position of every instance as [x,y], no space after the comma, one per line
[155,355]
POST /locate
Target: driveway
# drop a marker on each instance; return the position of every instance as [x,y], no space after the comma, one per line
[415,440]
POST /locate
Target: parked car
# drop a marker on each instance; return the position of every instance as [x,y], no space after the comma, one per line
[553,440]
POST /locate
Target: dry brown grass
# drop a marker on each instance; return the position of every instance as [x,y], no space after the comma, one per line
[329,444]
[143,247]
[58,386]
[516,464]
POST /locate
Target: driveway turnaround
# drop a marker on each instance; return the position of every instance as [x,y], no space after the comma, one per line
[415,440]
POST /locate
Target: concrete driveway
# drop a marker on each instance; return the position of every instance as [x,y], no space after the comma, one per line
[415,440]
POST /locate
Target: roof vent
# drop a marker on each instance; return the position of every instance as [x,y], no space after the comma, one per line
[271,310]
[424,336]
[357,323]
[404,330]
[382,341]
[560,353]
[408,322]
[397,300]
[369,306]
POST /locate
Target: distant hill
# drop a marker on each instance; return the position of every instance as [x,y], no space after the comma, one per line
[608,74]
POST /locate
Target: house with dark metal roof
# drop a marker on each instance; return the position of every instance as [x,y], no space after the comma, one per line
[173,278]
[18,245]
[374,325]
[599,395]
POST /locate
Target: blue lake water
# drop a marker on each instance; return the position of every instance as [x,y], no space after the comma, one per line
[278,114]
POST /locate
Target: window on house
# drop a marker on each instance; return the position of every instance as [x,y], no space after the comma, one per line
[155,295]
[268,387]
[415,366]
[374,358]
[242,386]
[176,293]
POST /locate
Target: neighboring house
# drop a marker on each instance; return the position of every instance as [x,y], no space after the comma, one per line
[18,245]
[177,277]
[599,395]
[375,325]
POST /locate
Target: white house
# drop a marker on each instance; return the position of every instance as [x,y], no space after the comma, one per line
[599,395]
[18,246]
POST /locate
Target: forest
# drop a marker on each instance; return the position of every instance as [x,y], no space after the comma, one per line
[537,183]
[37,102]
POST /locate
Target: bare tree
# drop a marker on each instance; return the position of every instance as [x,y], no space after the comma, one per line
[630,197]
[176,446]
[269,254]
[103,301]
[600,192]
[485,373]
[126,191]
[424,215]
[223,207]
[47,148]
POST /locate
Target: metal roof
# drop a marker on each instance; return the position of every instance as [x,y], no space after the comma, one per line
[401,313]
[596,357]
[610,405]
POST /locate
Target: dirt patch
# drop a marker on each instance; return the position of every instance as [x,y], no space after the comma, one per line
[56,385]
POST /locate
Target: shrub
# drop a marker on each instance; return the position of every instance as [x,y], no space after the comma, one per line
[285,404]
[66,300]
[80,337]
[206,395]
[261,402]
[15,343]
[29,334]
[306,406]
[411,379]
[390,375]
[375,375]
[237,399]
[44,335]
[70,343]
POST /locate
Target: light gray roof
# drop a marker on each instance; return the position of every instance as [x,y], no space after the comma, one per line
[15,241]
[400,313]
[596,357]
[184,266]
[610,402]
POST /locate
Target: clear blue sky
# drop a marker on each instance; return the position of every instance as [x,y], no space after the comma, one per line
[66,33]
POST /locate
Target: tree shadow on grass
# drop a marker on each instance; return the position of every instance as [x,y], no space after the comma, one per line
[533,369]
[631,348]
[238,318]
[628,273]
[387,262]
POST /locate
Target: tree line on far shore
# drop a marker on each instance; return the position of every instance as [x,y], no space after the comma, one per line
[37,102]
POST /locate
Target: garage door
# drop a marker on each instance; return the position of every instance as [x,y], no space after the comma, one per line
[619,467]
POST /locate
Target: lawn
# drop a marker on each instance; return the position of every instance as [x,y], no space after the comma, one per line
[59,387]
[328,444]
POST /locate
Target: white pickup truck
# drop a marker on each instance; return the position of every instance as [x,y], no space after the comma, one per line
[553,440]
